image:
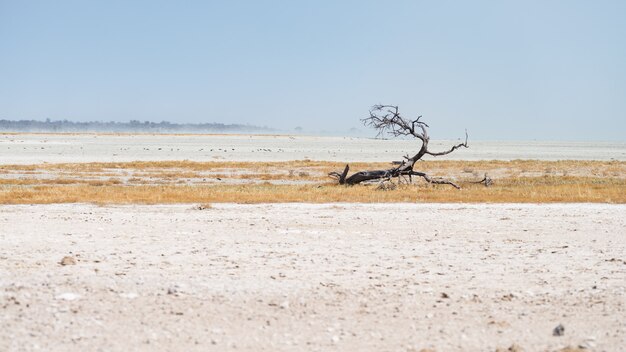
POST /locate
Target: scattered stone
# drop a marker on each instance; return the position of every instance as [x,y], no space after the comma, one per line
[588,344]
[501,324]
[508,297]
[559,330]
[175,289]
[513,348]
[444,295]
[67,260]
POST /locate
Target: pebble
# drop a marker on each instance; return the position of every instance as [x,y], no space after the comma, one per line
[559,330]
[513,348]
[589,343]
[67,260]
[175,289]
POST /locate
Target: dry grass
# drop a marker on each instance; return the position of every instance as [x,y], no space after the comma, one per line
[170,182]
[524,190]
[58,181]
[520,166]
[188,165]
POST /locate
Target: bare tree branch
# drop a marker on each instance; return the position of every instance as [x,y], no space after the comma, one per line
[464,144]
[386,120]
[487,181]
[435,181]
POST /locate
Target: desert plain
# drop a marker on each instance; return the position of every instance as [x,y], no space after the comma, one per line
[137,247]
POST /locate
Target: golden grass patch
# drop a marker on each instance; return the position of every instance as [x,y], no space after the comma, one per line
[527,190]
[208,182]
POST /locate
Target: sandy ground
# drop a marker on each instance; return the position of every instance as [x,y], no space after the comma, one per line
[398,277]
[66,148]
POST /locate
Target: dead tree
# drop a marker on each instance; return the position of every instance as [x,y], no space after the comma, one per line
[386,119]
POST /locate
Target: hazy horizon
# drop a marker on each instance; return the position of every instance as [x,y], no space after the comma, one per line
[505,71]
[235,129]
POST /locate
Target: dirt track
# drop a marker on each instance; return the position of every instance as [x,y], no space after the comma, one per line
[312,277]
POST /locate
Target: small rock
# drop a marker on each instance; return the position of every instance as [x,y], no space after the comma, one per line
[67,260]
[177,289]
[589,344]
[513,348]
[559,330]
[508,297]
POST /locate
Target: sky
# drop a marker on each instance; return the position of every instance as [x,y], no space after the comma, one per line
[505,70]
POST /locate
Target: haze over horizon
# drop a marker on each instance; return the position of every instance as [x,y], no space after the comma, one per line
[511,71]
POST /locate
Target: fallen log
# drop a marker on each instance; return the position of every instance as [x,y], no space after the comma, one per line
[386,119]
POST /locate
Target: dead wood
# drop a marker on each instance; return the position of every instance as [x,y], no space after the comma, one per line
[386,119]
[487,181]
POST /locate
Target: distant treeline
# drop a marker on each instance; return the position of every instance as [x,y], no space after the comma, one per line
[132,126]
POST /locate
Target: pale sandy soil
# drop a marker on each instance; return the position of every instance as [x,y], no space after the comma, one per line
[395,277]
[59,148]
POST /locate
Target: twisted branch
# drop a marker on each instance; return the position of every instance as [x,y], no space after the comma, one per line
[386,120]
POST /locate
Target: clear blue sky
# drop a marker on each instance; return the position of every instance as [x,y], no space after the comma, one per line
[503,69]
